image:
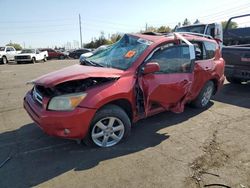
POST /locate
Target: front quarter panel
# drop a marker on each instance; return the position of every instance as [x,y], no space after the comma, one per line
[106,93]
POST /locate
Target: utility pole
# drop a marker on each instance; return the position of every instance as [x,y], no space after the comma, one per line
[80,24]
[146,27]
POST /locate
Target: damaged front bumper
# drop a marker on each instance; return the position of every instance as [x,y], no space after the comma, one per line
[68,124]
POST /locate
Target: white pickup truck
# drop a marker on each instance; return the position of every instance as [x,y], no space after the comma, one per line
[31,55]
[7,53]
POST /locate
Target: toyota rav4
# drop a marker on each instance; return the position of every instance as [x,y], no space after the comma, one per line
[139,76]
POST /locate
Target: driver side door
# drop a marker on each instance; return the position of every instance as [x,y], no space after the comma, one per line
[167,88]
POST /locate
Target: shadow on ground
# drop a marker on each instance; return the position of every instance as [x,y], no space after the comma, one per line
[235,94]
[37,158]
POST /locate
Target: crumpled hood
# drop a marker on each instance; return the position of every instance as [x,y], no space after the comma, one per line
[76,72]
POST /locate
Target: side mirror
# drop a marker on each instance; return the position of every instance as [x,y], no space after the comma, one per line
[151,67]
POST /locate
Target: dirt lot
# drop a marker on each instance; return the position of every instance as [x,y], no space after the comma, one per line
[197,148]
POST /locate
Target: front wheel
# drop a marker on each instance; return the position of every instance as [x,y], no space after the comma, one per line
[33,60]
[110,125]
[204,96]
[5,61]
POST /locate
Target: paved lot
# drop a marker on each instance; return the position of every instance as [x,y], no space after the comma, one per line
[196,148]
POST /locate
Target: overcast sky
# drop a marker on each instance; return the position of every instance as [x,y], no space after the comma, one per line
[54,22]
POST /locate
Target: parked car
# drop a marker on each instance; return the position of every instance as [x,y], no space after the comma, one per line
[77,53]
[31,55]
[54,54]
[96,51]
[139,76]
[7,54]
[236,51]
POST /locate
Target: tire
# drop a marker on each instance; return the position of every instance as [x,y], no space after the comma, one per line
[33,60]
[233,80]
[61,57]
[204,96]
[45,59]
[109,126]
[5,60]
[76,57]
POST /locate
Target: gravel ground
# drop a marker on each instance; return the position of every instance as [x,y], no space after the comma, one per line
[197,148]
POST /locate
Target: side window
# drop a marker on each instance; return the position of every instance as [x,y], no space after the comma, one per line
[210,49]
[12,49]
[173,59]
[200,52]
[8,49]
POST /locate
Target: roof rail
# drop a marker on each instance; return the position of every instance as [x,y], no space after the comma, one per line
[197,34]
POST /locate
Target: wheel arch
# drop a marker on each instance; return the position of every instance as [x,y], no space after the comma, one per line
[216,83]
[123,104]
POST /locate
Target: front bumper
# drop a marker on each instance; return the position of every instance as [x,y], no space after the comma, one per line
[23,60]
[54,123]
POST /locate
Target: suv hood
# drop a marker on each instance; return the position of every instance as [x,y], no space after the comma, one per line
[76,72]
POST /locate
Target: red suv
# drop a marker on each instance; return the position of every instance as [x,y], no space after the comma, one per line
[139,76]
[54,53]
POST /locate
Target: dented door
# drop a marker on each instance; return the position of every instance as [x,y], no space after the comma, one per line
[168,87]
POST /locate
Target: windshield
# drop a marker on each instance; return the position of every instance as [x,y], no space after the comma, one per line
[27,51]
[122,54]
[2,48]
[193,29]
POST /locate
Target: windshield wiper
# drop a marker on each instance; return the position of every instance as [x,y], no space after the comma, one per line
[89,62]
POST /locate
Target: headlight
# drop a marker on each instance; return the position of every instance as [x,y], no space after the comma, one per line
[66,102]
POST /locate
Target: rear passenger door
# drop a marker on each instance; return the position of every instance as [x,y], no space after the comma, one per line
[204,64]
[168,87]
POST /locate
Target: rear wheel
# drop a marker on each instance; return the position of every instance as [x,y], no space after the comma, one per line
[76,57]
[233,80]
[110,125]
[5,61]
[204,96]
[45,59]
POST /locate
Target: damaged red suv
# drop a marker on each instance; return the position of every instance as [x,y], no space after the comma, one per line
[139,76]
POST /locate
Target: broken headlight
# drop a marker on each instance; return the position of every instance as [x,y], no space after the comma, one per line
[66,102]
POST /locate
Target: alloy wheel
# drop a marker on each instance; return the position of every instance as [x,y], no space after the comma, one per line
[108,131]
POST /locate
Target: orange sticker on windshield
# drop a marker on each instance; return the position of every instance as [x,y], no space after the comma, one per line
[130,54]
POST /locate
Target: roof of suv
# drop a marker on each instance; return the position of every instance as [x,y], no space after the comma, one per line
[169,37]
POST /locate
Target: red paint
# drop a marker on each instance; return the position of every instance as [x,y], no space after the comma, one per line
[168,91]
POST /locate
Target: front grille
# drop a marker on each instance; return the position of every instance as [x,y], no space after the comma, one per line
[22,57]
[37,96]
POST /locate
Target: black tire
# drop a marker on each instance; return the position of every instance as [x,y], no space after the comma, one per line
[203,98]
[76,57]
[5,60]
[233,80]
[33,60]
[61,57]
[107,112]
[45,59]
